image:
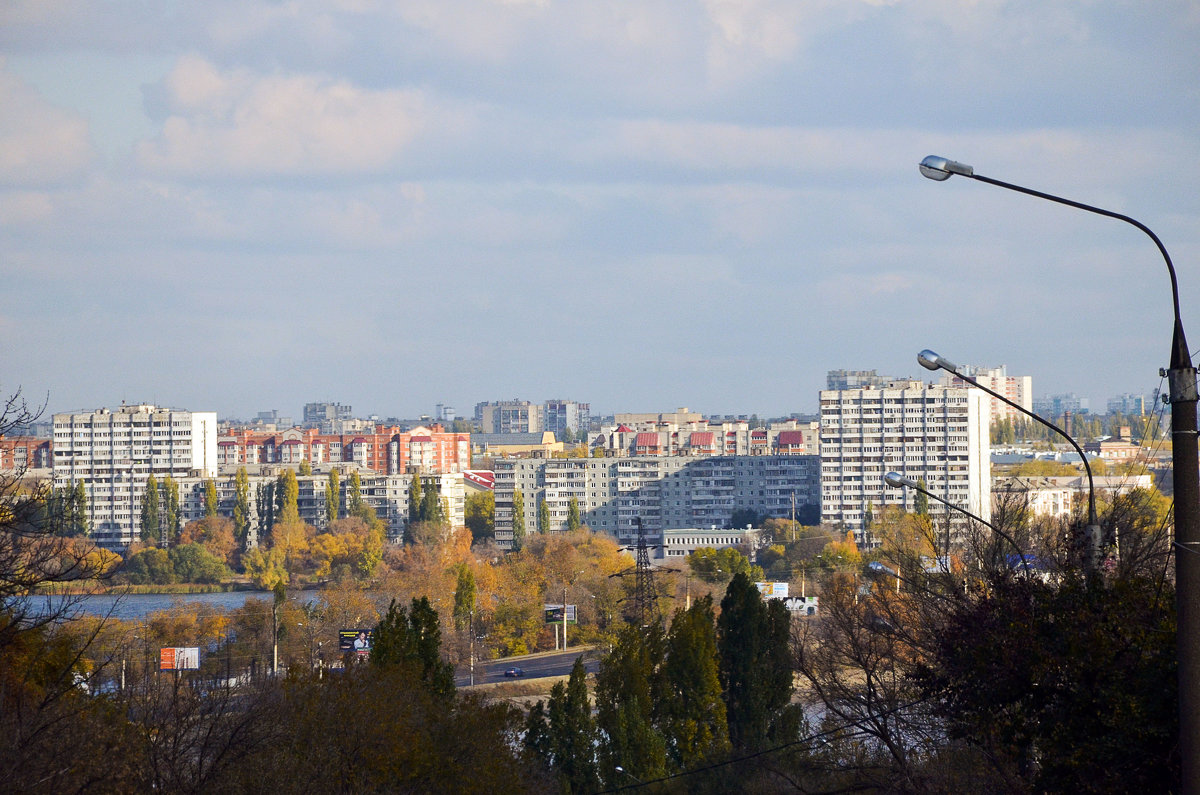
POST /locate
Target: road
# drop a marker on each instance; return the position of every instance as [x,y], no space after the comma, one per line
[536,666]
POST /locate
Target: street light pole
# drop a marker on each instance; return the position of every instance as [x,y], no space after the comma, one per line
[1185,463]
[931,361]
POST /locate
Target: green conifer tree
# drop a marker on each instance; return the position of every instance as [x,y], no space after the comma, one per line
[150,509]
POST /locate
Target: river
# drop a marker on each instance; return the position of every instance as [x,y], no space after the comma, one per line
[135,606]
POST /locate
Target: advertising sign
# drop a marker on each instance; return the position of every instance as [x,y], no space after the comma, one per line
[355,640]
[554,614]
[773,590]
[179,658]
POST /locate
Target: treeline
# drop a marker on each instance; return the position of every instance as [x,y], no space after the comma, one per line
[1083,427]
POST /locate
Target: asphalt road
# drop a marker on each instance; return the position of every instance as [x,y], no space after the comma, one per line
[536,666]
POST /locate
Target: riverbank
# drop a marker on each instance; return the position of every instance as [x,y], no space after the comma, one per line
[94,588]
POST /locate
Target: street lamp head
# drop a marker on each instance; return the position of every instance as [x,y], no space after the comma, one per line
[931,361]
[939,168]
[896,481]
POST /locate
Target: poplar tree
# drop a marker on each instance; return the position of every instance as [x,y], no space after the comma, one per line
[573,521]
[287,496]
[174,519]
[150,505]
[355,504]
[571,732]
[413,639]
[543,520]
[78,512]
[694,720]
[241,507]
[211,501]
[333,494]
[518,521]
[414,498]
[464,597]
[265,501]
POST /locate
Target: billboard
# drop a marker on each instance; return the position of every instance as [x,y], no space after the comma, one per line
[773,590]
[355,640]
[179,658]
[554,614]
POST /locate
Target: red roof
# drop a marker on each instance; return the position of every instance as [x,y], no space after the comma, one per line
[759,434]
[647,440]
[701,439]
[293,441]
[481,477]
[421,439]
[623,428]
[790,438]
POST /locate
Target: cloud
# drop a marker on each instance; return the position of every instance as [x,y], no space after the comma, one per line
[40,145]
[236,123]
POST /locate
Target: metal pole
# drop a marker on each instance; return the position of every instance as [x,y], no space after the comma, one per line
[1185,463]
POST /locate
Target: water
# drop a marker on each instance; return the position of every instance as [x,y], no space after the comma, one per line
[129,607]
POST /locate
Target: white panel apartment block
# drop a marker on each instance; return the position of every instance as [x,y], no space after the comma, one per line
[937,434]
[113,452]
[664,492]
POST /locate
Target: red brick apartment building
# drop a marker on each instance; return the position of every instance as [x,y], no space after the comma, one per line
[387,451]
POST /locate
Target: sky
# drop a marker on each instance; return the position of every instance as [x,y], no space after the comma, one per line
[238,206]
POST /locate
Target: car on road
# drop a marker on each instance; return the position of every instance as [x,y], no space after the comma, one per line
[515,672]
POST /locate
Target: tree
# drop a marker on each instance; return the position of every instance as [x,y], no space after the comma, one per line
[571,733]
[415,498]
[287,495]
[355,504]
[304,468]
[431,505]
[464,597]
[755,669]
[412,640]
[629,693]
[333,496]
[518,520]
[480,518]
[694,719]
[921,501]
[265,502]
[743,517]
[194,563]
[241,507]
[543,519]
[715,565]
[573,520]
[211,501]
[173,517]
[78,513]
[150,508]
[150,566]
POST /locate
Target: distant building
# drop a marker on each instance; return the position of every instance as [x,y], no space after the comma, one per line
[938,434]
[856,379]
[1058,405]
[663,493]
[509,416]
[1017,388]
[383,450]
[1057,496]
[315,414]
[679,543]
[562,415]
[1130,404]
[25,453]
[113,452]
[701,437]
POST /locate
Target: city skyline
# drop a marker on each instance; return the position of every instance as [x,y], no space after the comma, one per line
[246,206]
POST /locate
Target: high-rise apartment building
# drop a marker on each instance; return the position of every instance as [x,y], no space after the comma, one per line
[317,414]
[855,379]
[938,434]
[1017,388]
[670,492]
[563,415]
[1128,403]
[1058,405]
[113,451]
[509,416]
